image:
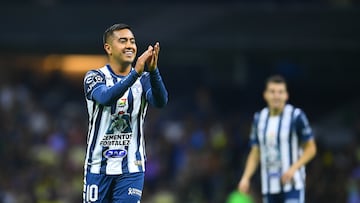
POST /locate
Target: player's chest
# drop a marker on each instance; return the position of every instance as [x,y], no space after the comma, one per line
[274,130]
[131,97]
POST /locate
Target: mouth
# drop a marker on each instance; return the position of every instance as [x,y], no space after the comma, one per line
[129,53]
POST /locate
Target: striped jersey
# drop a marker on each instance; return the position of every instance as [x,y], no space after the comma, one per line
[117,107]
[279,139]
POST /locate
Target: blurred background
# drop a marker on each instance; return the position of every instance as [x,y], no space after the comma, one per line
[214,58]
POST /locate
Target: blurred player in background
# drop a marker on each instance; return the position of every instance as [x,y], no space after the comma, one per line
[282,141]
[117,97]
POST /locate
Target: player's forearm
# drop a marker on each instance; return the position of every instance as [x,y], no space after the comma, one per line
[158,95]
[308,154]
[108,95]
[252,163]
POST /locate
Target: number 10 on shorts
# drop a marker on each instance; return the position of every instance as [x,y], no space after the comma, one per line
[92,193]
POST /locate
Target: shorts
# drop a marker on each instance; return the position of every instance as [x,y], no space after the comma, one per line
[124,188]
[293,196]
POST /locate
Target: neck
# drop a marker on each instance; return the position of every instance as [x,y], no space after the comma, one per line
[120,69]
[275,111]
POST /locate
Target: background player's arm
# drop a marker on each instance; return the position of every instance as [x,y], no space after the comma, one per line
[304,132]
[309,152]
[252,163]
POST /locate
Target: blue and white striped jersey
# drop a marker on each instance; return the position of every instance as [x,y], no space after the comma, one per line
[279,139]
[117,107]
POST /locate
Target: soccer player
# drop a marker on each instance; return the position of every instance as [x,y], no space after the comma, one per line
[117,97]
[282,141]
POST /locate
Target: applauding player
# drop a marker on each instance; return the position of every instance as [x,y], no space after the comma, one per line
[117,97]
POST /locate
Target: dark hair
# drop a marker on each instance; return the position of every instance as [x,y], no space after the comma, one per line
[275,79]
[109,31]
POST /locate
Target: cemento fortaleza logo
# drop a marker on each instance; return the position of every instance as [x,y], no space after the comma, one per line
[115,153]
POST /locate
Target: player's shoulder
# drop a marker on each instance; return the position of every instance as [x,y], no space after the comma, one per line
[94,76]
[264,110]
[297,110]
[95,71]
[260,112]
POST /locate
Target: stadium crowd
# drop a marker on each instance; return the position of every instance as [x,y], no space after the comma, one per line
[195,152]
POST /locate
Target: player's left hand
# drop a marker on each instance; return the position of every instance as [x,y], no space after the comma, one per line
[287,176]
[151,62]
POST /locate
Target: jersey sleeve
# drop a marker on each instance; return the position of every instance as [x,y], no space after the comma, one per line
[154,88]
[93,79]
[254,139]
[96,89]
[303,128]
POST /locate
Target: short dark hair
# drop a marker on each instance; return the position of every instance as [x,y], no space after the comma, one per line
[109,31]
[275,79]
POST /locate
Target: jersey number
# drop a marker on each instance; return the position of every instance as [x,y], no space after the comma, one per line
[92,193]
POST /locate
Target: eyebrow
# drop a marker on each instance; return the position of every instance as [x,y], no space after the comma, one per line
[126,38]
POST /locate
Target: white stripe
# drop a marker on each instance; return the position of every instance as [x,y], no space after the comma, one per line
[97,153]
[285,132]
[260,132]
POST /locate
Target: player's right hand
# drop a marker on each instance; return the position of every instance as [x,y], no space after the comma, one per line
[244,185]
[140,62]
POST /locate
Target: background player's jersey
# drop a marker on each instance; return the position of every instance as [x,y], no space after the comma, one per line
[115,142]
[279,139]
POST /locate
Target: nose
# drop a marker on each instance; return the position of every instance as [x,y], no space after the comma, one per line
[129,44]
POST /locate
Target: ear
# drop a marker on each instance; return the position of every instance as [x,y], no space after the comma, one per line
[107,48]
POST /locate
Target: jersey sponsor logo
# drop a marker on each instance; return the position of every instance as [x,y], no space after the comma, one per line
[115,140]
[134,191]
[115,153]
[119,132]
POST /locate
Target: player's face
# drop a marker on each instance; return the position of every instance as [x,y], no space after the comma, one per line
[122,46]
[276,96]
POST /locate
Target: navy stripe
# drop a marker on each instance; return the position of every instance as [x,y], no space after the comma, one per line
[97,124]
[103,161]
[137,153]
[113,107]
[255,130]
[265,129]
[290,142]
